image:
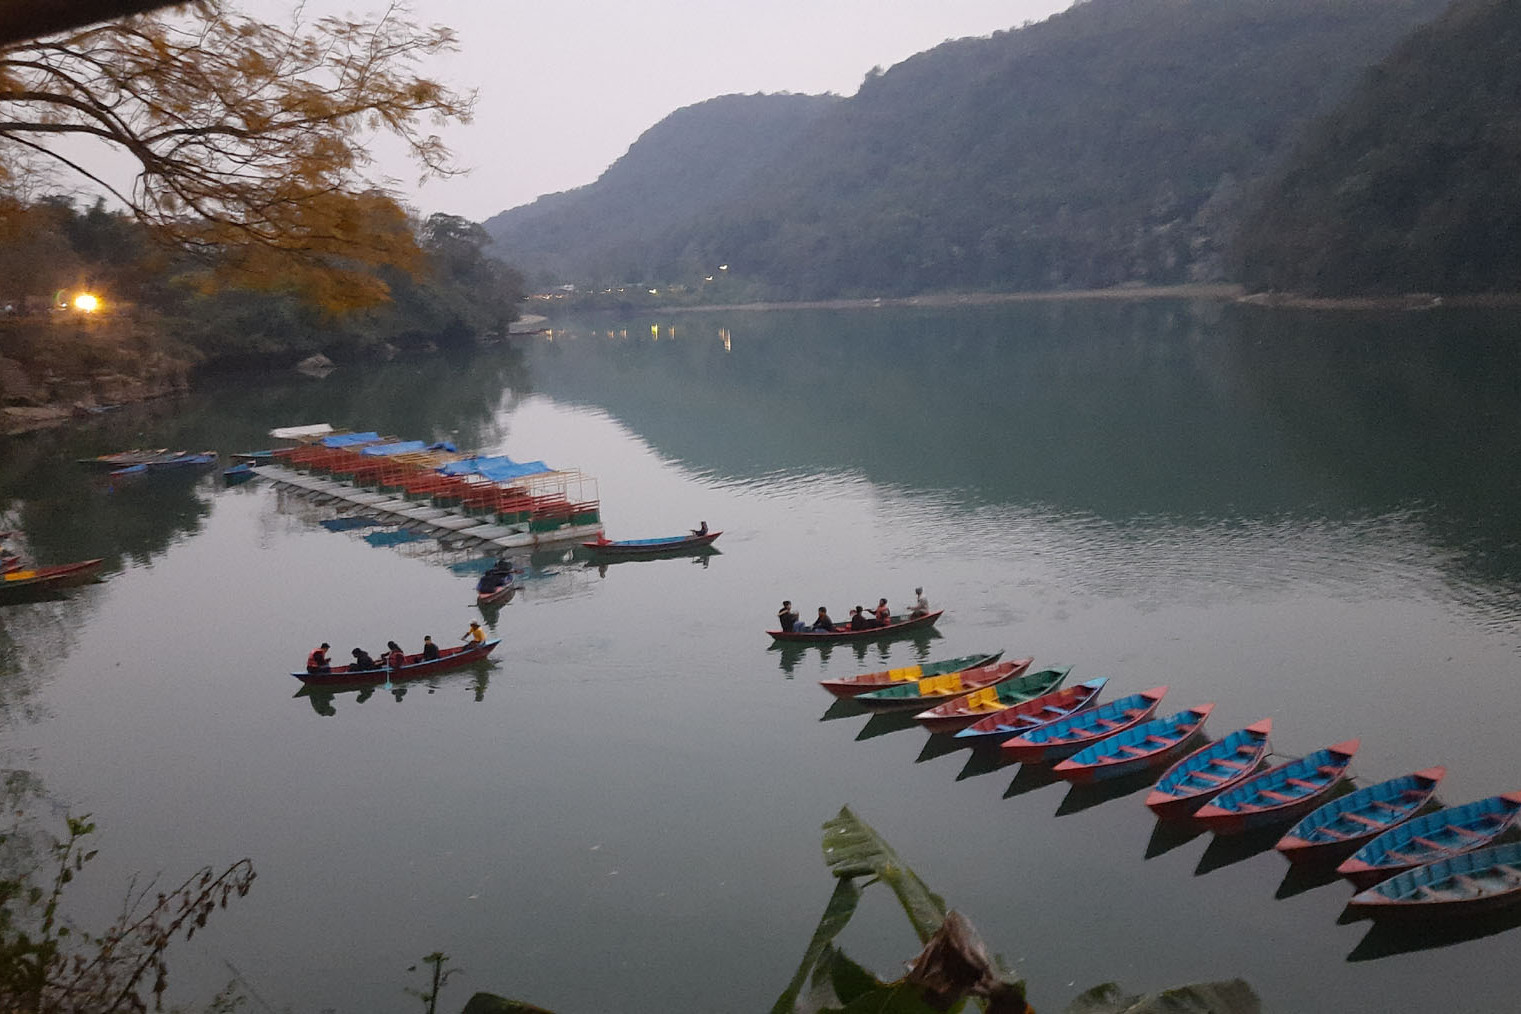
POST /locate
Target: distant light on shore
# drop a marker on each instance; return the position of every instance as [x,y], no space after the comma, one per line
[86,302]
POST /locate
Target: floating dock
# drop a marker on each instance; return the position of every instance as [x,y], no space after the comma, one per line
[442,522]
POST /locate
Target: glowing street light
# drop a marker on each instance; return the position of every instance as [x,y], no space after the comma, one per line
[86,303]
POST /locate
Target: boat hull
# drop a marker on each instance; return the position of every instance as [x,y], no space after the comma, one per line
[935,690]
[1472,883]
[651,547]
[1337,828]
[449,658]
[24,581]
[1062,739]
[866,682]
[1260,801]
[1210,770]
[902,626]
[1158,743]
[495,598]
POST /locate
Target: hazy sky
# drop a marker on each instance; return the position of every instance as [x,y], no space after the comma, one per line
[565,86]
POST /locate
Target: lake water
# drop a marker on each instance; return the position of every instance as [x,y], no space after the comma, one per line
[1311,518]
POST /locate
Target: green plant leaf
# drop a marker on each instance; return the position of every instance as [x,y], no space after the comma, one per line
[852,848]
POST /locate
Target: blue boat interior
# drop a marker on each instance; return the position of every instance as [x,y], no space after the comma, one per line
[1213,766]
[1142,740]
[1476,874]
[1284,784]
[1085,723]
[1368,810]
[1453,829]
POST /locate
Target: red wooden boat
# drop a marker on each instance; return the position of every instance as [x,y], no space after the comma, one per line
[960,712]
[1344,825]
[26,580]
[1466,884]
[1066,736]
[1279,794]
[1141,747]
[1209,771]
[842,632]
[850,686]
[932,690]
[414,667]
[1023,717]
[495,598]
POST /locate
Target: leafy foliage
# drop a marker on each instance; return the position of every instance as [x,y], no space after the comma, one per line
[251,140]
[1411,185]
[1111,144]
[49,967]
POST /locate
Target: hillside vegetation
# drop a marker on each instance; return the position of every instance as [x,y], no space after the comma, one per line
[1114,143]
[1413,184]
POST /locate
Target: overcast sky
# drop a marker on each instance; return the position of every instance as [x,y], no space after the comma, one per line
[565,86]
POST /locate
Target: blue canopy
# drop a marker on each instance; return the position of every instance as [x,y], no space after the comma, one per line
[386,450]
[496,468]
[349,439]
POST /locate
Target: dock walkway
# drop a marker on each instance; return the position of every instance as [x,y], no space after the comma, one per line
[437,521]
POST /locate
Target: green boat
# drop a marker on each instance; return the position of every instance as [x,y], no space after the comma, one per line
[933,690]
[851,686]
[959,712]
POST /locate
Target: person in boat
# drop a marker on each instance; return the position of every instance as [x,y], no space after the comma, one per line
[430,650]
[823,622]
[883,613]
[317,661]
[921,605]
[859,620]
[362,661]
[395,657]
[701,529]
[490,581]
[476,635]
[787,617]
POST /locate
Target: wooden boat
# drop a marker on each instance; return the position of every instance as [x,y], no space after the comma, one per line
[1066,736]
[414,667]
[168,462]
[650,547]
[1345,823]
[896,625]
[960,712]
[19,583]
[241,472]
[1466,884]
[1209,771]
[1432,837]
[933,690]
[122,459]
[1148,745]
[1032,714]
[495,598]
[849,686]
[1279,793]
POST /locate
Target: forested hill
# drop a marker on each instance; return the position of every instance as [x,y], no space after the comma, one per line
[679,170]
[1109,144]
[1414,185]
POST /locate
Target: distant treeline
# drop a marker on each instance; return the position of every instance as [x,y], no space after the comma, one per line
[51,250]
[1145,142]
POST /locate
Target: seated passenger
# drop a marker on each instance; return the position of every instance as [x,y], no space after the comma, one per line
[430,650]
[823,622]
[317,662]
[786,617]
[362,661]
[883,613]
[859,621]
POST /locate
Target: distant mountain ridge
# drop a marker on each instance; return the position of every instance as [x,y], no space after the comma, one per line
[1113,143]
[1414,185]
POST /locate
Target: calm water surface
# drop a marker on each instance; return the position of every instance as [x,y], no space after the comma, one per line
[1313,519]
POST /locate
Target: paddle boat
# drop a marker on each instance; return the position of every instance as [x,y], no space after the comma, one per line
[1465,884]
[1148,745]
[651,547]
[895,625]
[1209,771]
[933,690]
[21,582]
[960,712]
[1346,823]
[850,686]
[414,667]
[165,463]
[1432,837]
[1064,737]
[1279,793]
[1032,714]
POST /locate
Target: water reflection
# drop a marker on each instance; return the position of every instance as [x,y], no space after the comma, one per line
[886,722]
[697,557]
[1170,834]
[324,700]
[1228,849]
[1386,940]
[1084,797]
[917,645]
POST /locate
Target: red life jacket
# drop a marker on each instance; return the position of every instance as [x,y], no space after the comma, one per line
[316,660]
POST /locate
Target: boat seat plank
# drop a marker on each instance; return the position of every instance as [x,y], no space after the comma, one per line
[1207,777]
[1329,770]
[1233,765]
[1508,871]
[1300,783]
[1277,797]
[1463,832]
[1428,843]
[1358,818]
[1331,832]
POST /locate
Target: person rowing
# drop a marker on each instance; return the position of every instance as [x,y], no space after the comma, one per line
[317,662]
[475,636]
[362,661]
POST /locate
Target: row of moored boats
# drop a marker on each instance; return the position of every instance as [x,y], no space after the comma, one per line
[1406,856]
